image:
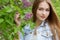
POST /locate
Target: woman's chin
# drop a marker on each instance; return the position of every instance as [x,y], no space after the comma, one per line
[42,19]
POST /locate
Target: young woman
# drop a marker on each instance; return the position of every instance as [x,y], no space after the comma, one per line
[47,23]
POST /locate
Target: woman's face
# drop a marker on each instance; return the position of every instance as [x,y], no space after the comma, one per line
[43,11]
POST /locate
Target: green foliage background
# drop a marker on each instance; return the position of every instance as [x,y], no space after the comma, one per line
[7,10]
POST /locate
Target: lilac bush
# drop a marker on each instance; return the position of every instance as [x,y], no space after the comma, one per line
[26,3]
[28,16]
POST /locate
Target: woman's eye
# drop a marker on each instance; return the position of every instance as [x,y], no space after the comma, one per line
[40,9]
[47,10]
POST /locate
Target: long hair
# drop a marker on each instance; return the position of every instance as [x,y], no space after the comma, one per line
[52,18]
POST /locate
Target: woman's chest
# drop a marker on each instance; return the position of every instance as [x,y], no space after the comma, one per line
[41,34]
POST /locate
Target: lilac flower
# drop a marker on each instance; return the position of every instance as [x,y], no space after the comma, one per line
[26,3]
[28,16]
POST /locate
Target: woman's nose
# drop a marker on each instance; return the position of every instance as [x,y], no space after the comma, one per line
[44,12]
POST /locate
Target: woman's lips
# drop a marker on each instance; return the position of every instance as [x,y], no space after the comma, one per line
[42,16]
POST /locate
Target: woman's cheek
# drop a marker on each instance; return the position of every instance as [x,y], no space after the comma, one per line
[47,15]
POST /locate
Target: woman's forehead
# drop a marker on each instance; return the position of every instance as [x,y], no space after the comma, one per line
[43,4]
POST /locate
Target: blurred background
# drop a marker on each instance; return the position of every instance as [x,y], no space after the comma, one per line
[8,8]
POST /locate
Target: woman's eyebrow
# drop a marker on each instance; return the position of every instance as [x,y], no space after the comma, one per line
[40,8]
[43,8]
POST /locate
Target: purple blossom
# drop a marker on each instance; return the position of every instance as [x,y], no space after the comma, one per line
[26,3]
[28,16]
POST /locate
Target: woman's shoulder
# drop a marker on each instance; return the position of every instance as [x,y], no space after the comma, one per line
[27,26]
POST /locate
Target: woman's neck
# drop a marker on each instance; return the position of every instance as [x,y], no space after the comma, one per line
[38,22]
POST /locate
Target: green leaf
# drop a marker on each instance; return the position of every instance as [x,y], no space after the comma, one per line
[1,20]
[7,9]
